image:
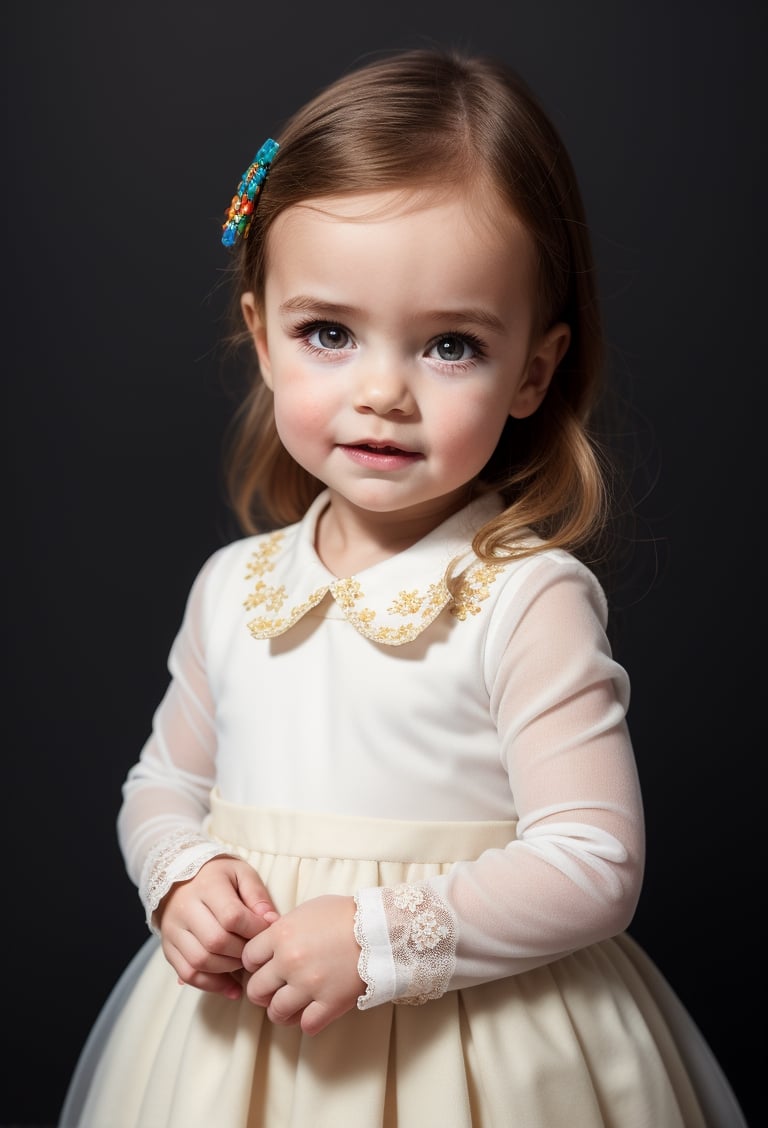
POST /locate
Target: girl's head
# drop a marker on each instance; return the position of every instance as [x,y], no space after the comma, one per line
[445,123]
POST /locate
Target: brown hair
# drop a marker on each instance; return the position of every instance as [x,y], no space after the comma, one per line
[423,118]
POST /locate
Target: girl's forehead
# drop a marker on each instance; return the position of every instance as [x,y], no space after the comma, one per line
[400,250]
[479,209]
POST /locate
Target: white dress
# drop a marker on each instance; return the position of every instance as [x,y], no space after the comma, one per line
[460,763]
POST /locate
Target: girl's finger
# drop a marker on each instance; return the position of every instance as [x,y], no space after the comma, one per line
[263,984]
[258,951]
[224,985]
[188,956]
[286,1006]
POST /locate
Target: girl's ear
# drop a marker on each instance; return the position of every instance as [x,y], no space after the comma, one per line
[254,321]
[542,363]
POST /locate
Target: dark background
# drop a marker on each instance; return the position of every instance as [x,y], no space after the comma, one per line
[128,128]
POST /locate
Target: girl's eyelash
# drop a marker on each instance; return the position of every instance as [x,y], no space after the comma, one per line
[303,330]
[478,346]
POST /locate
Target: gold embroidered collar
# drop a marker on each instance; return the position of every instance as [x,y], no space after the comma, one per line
[391,602]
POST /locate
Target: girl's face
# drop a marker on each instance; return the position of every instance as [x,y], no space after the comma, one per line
[396,336]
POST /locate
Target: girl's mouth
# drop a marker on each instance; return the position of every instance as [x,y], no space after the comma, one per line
[380,456]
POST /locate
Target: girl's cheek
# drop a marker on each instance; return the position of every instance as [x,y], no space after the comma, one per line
[301,414]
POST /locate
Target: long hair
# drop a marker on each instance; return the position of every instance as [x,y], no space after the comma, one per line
[437,118]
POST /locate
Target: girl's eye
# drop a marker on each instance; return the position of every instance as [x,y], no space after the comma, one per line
[327,337]
[453,348]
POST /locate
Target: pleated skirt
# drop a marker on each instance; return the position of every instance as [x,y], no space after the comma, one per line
[595,1039]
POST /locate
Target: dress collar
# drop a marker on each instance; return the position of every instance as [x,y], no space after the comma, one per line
[391,602]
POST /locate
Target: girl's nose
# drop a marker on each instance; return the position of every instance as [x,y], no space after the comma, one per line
[382,389]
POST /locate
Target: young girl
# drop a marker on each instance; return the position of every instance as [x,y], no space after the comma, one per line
[387,828]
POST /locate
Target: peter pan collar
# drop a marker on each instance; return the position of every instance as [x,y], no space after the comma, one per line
[391,602]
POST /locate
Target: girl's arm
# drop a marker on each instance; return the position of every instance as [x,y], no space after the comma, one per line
[203,902]
[166,794]
[573,874]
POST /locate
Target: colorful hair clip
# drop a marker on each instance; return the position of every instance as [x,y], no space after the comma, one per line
[243,204]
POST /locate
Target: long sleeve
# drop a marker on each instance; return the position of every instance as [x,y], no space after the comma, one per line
[166,793]
[572,875]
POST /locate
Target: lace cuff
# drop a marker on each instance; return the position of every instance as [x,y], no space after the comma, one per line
[407,936]
[176,857]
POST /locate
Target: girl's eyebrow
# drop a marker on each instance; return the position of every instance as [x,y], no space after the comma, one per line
[461,316]
[304,303]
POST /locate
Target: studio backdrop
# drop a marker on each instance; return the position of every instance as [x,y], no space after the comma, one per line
[127,130]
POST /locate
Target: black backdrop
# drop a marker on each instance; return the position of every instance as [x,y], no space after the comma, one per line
[127,130]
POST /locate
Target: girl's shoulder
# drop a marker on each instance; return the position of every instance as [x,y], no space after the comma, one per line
[224,572]
[261,555]
[512,584]
[255,552]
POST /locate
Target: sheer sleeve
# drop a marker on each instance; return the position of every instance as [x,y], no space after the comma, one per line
[572,875]
[166,793]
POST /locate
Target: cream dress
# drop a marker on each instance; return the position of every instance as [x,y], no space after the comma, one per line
[461,765]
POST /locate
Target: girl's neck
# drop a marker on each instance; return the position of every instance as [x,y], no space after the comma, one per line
[349,539]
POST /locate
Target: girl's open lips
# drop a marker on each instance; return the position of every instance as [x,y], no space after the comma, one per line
[380,456]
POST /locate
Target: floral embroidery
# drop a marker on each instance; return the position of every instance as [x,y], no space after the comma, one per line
[474,589]
[268,628]
[407,897]
[406,603]
[395,636]
[346,592]
[272,598]
[408,614]
[423,934]
[426,932]
[422,609]
[262,560]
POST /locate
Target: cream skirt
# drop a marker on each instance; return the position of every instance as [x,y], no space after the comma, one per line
[596,1039]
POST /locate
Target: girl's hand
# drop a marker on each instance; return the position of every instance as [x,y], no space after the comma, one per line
[305,964]
[205,922]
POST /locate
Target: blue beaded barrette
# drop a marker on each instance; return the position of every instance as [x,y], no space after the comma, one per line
[241,209]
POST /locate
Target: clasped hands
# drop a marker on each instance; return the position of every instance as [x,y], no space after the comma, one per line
[221,933]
